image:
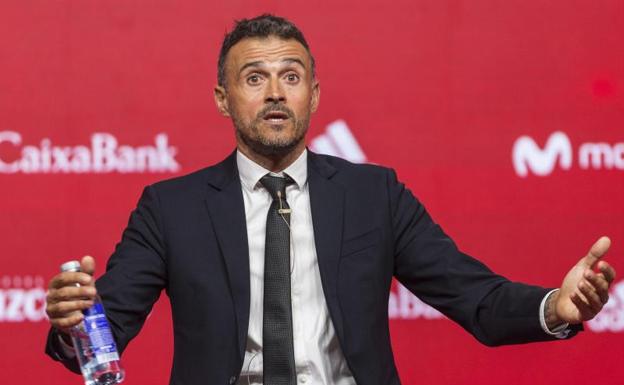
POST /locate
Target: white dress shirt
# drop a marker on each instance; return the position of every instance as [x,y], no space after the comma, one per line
[318,358]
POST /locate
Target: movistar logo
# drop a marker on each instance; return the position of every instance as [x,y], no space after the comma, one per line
[529,158]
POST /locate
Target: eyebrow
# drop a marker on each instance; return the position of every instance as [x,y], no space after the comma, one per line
[261,64]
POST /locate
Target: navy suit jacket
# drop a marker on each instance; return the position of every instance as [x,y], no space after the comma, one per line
[188,236]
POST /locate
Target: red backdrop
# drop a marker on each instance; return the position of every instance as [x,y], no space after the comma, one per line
[505,119]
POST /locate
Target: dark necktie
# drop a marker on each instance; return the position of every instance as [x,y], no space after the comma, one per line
[277,330]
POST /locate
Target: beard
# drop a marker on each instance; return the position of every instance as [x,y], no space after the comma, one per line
[250,133]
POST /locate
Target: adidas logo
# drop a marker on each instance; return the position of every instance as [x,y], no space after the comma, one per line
[338,141]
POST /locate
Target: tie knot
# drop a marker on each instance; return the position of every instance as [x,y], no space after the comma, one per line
[273,184]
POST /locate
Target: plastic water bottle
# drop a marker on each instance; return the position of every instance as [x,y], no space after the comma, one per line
[93,341]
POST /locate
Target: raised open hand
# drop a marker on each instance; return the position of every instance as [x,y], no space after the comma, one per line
[585,289]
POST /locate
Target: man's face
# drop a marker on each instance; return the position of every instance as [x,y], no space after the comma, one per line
[270,93]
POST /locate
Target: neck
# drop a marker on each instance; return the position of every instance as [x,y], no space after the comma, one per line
[273,163]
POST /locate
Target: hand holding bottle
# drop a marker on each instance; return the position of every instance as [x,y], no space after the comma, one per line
[69,293]
[75,309]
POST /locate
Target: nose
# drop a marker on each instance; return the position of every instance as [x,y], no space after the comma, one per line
[275,92]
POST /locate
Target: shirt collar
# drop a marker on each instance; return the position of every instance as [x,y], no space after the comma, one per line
[250,172]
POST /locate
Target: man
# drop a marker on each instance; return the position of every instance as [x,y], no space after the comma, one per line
[278,262]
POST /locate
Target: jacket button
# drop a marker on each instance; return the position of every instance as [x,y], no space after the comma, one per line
[232,380]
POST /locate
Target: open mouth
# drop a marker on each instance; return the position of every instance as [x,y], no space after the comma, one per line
[276,117]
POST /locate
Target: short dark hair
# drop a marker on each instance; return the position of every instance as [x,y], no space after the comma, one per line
[265,25]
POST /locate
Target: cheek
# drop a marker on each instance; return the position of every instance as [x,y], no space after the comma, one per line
[300,102]
[247,107]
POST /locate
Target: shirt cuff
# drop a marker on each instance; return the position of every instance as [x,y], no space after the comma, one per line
[560,331]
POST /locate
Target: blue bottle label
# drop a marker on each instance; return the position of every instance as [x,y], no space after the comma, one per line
[102,342]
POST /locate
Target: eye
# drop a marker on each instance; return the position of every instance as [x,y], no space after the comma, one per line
[292,77]
[253,79]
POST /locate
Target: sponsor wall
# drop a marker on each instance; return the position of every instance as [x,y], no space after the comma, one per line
[504,118]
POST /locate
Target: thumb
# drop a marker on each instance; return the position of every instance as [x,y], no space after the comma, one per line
[596,252]
[87,265]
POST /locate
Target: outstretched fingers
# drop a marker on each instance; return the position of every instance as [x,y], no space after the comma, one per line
[597,251]
[607,271]
[599,284]
[583,307]
[591,296]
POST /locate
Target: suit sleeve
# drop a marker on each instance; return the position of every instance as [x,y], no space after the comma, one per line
[427,262]
[135,275]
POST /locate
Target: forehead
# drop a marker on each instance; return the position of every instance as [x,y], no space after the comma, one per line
[267,50]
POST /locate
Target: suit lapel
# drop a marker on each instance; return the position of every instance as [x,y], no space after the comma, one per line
[327,205]
[227,213]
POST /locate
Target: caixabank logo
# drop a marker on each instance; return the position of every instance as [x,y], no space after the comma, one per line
[559,153]
[103,154]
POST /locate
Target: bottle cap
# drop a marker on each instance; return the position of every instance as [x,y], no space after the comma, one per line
[70,266]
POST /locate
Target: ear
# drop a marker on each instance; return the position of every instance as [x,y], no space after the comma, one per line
[220,97]
[316,95]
